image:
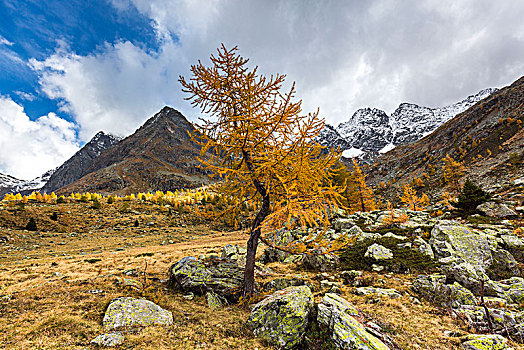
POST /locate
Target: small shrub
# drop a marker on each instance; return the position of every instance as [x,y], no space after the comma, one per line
[31,225]
[60,200]
[124,208]
[54,216]
[110,200]
[96,204]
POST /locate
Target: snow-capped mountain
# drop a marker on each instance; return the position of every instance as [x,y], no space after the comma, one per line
[371,130]
[9,181]
[9,184]
[330,137]
[367,129]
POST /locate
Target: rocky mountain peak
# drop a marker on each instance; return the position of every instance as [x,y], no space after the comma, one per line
[371,129]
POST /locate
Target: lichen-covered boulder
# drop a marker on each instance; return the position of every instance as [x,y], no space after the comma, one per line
[514,244]
[423,247]
[338,316]
[469,275]
[221,276]
[279,238]
[435,289]
[381,292]
[462,243]
[503,266]
[281,318]
[485,341]
[282,283]
[320,262]
[234,252]
[130,312]
[501,319]
[496,210]
[378,252]
[109,339]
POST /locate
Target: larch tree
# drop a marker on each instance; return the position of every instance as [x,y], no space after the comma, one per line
[452,171]
[412,200]
[359,195]
[262,149]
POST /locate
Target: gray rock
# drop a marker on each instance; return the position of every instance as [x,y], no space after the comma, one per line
[131,312]
[496,210]
[502,320]
[485,341]
[378,252]
[234,252]
[221,276]
[109,339]
[337,315]
[460,242]
[320,262]
[281,318]
[282,283]
[382,292]
[423,247]
[434,289]
[214,301]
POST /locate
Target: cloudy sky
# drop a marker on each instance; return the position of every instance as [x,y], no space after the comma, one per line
[71,68]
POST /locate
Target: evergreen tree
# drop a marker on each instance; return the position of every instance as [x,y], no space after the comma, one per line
[470,197]
[31,225]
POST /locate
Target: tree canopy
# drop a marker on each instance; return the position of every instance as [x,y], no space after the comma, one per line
[262,148]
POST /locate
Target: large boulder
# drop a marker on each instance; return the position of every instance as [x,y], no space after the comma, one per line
[320,262]
[434,288]
[460,242]
[496,210]
[282,318]
[130,312]
[221,276]
[338,316]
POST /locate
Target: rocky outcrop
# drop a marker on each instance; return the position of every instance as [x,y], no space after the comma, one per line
[223,277]
[128,312]
[281,318]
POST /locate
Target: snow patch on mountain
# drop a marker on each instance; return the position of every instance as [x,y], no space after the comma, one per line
[352,152]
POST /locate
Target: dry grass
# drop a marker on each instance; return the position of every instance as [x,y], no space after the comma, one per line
[50,277]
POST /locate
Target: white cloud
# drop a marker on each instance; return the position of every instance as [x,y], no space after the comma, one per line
[29,148]
[4,41]
[343,55]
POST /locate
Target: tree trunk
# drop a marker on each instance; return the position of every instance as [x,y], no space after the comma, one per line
[252,244]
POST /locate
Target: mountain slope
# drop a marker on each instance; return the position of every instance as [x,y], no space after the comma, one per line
[80,163]
[488,138]
[158,156]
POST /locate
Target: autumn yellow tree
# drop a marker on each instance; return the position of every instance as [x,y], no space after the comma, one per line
[412,200]
[452,171]
[359,195]
[261,148]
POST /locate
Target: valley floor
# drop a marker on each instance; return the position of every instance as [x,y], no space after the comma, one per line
[55,283]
